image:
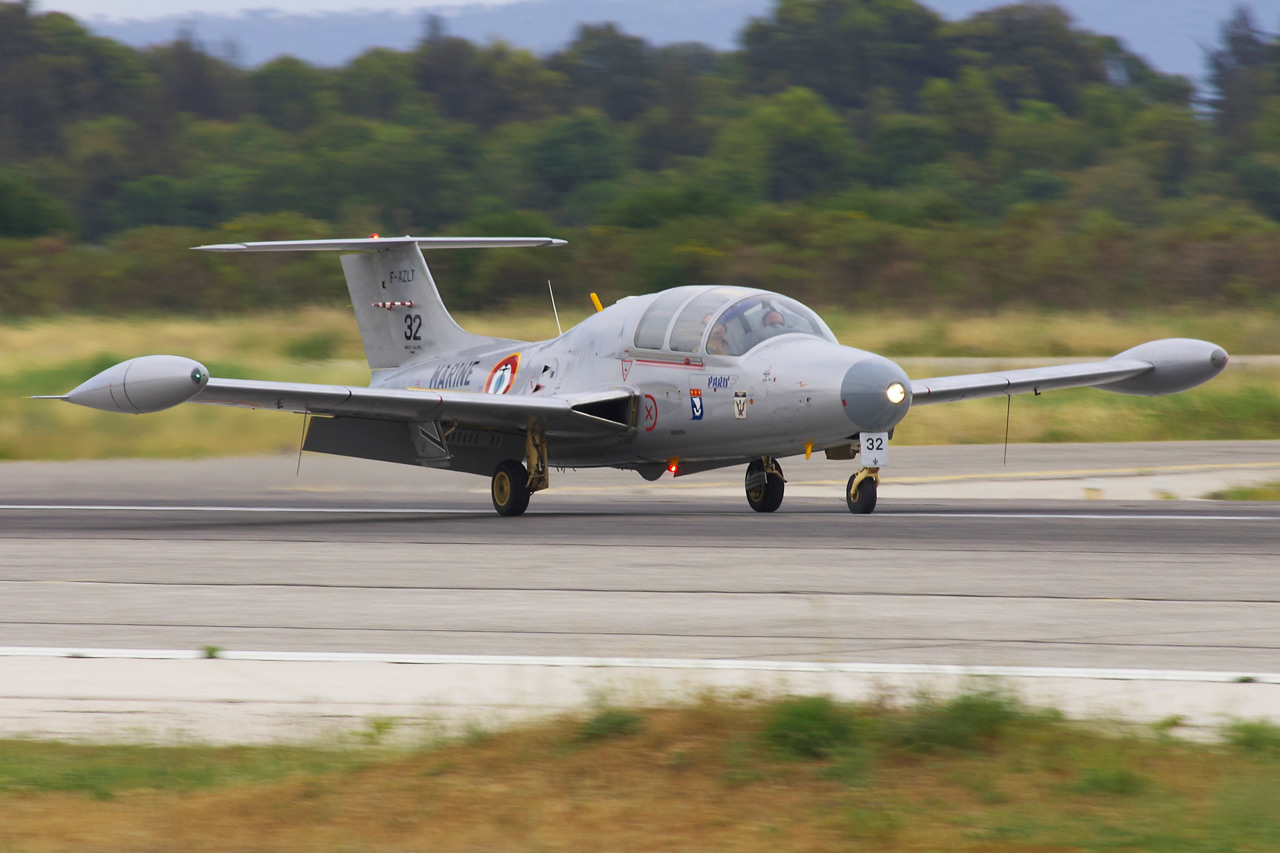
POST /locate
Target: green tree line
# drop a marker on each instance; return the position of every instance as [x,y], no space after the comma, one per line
[849,152]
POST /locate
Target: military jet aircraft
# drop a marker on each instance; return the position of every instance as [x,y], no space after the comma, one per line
[686,380]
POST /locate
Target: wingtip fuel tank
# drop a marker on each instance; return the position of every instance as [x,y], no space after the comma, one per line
[140,385]
[1178,364]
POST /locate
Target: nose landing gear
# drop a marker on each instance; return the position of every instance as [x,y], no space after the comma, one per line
[765,484]
[860,494]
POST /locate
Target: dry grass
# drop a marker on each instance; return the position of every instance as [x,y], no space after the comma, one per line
[33,343]
[1013,333]
[703,778]
[1264,492]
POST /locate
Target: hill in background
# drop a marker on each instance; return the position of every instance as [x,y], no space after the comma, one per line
[847,152]
[1171,34]
[334,38]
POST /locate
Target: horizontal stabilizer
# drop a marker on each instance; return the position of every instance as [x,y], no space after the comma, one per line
[367,244]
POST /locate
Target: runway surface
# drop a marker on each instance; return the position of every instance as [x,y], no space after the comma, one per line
[354,556]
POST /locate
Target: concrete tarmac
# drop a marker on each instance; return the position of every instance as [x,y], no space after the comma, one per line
[368,557]
[967,562]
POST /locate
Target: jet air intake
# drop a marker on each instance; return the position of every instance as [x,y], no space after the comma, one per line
[140,385]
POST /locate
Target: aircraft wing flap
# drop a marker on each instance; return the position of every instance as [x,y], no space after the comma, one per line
[472,408]
[947,389]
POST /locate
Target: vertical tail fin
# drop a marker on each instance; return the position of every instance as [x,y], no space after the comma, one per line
[397,305]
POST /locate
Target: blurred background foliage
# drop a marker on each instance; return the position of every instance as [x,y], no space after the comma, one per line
[853,153]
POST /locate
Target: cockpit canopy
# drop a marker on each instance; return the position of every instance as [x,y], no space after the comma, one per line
[723,320]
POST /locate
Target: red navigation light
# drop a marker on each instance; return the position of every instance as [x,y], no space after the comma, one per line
[373,236]
[673,465]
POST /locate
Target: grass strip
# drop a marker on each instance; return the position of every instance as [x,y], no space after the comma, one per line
[978,771]
[1264,492]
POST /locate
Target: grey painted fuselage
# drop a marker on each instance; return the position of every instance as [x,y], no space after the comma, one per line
[786,392]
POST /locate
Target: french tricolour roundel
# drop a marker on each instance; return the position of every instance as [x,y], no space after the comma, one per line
[503,375]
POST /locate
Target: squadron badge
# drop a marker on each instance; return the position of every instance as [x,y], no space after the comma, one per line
[503,375]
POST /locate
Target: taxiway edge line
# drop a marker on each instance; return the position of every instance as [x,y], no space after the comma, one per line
[649,663]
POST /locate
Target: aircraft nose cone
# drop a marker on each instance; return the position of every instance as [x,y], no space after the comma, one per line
[876,394]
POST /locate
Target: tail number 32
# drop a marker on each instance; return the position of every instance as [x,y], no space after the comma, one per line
[412,327]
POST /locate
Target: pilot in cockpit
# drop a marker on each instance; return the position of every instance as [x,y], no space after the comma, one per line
[716,343]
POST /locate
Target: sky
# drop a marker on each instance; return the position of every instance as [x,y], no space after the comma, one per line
[1171,34]
[1137,10]
[165,8]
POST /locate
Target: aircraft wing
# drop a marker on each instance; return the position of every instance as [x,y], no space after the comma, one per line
[947,389]
[605,412]
[1151,369]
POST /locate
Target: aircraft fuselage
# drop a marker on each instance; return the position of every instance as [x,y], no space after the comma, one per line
[788,392]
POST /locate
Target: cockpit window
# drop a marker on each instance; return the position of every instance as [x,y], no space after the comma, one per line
[651,332]
[755,319]
[693,320]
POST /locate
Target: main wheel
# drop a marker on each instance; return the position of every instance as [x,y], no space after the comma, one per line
[862,497]
[510,488]
[766,496]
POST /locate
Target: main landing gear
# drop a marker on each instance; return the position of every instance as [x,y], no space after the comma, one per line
[510,488]
[860,493]
[765,484]
[513,484]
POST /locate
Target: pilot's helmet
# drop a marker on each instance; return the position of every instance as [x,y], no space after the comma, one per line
[774,318]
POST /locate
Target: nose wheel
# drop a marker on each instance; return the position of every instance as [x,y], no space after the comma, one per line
[765,485]
[510,488]
[860,494]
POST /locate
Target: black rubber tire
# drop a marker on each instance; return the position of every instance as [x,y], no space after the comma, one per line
[510,488]
[863,501]
[766,498]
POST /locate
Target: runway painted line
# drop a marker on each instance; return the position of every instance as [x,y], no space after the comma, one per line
[1089,516]
[276,509]
[655,663]
[478,511]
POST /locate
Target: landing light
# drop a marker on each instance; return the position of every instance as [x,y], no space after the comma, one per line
[896,393]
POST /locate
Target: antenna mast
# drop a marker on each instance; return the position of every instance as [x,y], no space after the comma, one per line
[553,307]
